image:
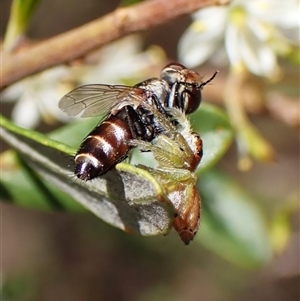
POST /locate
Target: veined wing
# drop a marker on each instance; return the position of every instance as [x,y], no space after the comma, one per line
[98,99]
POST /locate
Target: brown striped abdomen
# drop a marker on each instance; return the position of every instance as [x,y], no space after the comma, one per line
[105,146]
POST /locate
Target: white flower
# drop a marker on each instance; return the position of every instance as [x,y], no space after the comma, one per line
[253,32]
[121,60]
[37,96]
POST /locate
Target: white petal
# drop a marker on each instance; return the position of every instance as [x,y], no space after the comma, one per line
[245,48]
[194,49]
[26,113]
[232,42]
[116,61]
[277,12]
[256,55]
[203,36]
[214,15]
[48,105]
[53,75]
[260,30]
[14,92]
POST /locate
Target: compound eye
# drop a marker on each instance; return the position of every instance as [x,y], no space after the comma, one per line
[172,73]
[191,100]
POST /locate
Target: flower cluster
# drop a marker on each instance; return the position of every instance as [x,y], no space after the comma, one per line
[253,33]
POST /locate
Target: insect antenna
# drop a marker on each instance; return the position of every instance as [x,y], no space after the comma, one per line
[209,80]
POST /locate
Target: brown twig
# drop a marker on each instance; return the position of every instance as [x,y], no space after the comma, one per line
[78,42]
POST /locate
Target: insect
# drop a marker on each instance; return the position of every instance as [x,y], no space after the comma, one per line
[178,151]
[151,116]
[129,113]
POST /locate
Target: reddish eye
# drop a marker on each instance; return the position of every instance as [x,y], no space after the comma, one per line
[185,85]
[191,100]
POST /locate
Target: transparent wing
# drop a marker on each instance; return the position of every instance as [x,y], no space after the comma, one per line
[95,100]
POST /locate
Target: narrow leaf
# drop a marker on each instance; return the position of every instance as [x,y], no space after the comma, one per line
[127,198]
[20,15]
[232,226]
[216,132]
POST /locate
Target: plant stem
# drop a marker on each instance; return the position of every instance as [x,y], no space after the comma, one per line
[78,42]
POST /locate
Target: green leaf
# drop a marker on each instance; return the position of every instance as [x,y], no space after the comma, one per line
[216,132]
[127,198]
[210,121]
[232,226]
[73,133]
[20,15]
[20,184]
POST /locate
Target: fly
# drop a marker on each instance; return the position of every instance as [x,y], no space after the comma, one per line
[129,113]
